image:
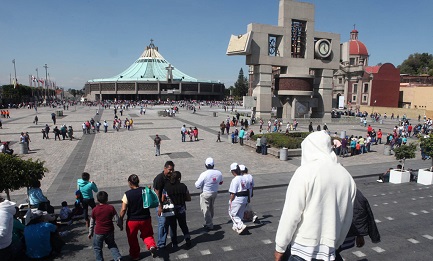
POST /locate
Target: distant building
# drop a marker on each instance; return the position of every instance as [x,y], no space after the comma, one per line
[356,83]
[416,92]
[151,77]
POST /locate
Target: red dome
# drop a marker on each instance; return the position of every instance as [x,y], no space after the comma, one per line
[356,47]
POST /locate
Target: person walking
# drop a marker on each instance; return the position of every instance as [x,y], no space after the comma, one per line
[47,131]
[208,182]
[264,145]
[157,145]
[87,187]
[249,213]
[70,133]
[138,219]
[239,198]
[56,133]
[35,121]
[241,136]
[319,185]
[183,132]
[158,185]
[105,126]
[101,227]
[178,194]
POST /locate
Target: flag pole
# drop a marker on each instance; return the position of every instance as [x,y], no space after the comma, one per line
[15,69]
[37,76]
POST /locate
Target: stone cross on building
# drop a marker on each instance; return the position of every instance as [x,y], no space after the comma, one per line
[169,69]
[291,67]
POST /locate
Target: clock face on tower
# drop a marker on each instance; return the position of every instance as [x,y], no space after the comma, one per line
[322,48]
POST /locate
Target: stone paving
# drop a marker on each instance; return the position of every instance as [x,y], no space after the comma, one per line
[111,157]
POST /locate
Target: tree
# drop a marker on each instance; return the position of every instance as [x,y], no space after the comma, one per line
[426,145]
[241,85]
[16,173]
[405,152]
[417,64]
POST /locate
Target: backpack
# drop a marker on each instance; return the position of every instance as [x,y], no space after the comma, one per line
[78,196]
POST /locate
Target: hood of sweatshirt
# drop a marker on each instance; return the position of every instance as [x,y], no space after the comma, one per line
[8,206]
[82,182]
[317,146]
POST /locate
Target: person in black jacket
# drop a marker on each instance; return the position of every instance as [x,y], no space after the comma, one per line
[363,224]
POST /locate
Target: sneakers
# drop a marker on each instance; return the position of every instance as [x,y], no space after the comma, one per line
[379,180]
[188,242]
[153,251]
[241,229]
[255,218]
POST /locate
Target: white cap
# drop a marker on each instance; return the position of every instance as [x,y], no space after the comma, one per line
[209,161]
[242,167]
[233,166]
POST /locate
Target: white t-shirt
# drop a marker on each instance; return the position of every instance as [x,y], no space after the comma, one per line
[249,182]
[238,184]
[209,180]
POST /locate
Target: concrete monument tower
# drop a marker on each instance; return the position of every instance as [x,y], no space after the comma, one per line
[291,65]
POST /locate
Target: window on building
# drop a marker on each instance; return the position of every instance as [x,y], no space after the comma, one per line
[298,38]
[354,98]
[355,88]
[365,87]
[364,98]
[274,43]
[340,80]
[352,61]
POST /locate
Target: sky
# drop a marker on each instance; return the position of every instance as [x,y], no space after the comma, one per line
[82,40]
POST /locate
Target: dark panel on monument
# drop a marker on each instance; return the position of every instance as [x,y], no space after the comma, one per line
[294,84]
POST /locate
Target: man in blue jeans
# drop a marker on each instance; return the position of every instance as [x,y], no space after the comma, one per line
[158,185]
[264,145]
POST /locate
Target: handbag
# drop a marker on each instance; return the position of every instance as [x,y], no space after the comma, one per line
[150,199]
[167,208]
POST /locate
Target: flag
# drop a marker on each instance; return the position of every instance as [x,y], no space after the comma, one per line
[15,83]
[34,79]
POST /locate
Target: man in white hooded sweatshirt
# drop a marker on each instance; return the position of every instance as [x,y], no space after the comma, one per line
[318,208]
[7,212]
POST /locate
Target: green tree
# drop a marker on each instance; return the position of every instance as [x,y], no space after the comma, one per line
[417,64]
[405,152]
[426,145]
[241,85]
[17,173]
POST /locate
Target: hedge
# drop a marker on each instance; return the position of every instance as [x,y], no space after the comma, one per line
[279,140]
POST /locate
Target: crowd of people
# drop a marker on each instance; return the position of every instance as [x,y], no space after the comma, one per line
[43,225]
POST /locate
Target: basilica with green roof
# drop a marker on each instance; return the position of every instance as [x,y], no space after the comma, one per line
[152,77]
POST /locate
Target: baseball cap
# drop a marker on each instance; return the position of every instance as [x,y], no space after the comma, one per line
[209,161]
[233,166]
[242,167]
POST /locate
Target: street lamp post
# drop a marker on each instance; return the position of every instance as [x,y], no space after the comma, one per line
[15,71]
[46,81]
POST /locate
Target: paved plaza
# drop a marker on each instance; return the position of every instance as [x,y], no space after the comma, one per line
[111,157]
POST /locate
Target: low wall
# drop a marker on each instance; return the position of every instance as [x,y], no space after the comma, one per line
[410,113]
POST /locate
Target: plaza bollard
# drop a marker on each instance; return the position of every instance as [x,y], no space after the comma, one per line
[214,114]
[381,121]
[387,150]
[23,148]
[283,154]
[343,134]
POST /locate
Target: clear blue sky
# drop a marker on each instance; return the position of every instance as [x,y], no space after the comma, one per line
[83,39]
